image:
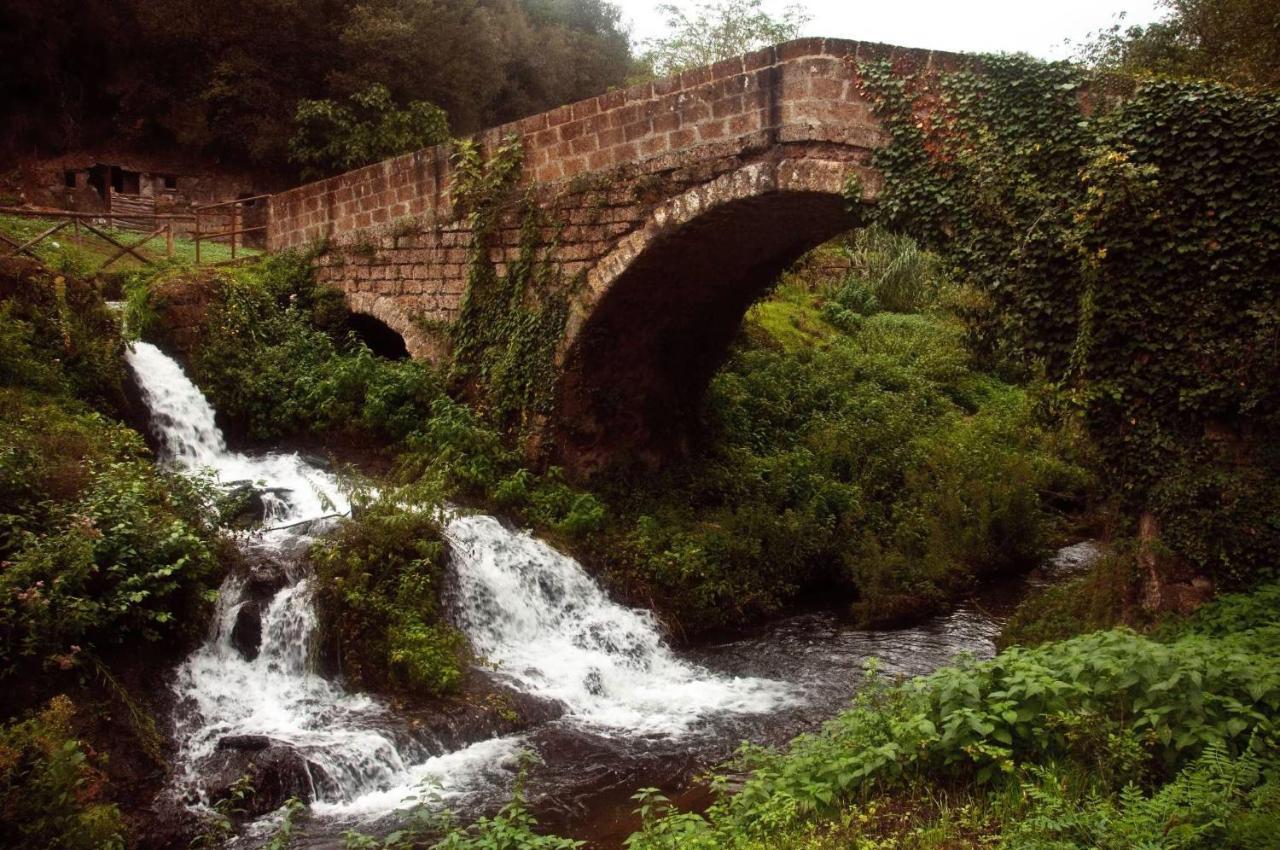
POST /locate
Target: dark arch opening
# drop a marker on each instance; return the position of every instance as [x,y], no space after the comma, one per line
[635,376]
[381,339]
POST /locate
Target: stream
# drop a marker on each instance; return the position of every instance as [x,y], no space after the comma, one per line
[631,711]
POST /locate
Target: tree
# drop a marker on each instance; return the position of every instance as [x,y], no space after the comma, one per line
[335,137]
[1235,41]
[710,31]
[223,78]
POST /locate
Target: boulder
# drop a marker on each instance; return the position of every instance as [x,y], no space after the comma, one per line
[246,634]
[277,772]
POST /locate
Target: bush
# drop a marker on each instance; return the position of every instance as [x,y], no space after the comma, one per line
[275,358]
[56,334]
[51,788]
[881,462]
[101,548]
[378,585]
[1110,740]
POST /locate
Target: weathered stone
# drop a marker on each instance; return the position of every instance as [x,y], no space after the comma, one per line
[681,199]
[276,773]
[246,634]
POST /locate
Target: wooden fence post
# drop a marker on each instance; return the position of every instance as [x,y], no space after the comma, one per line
[168,240]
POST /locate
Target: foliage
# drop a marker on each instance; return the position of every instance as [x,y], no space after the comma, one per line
[1128,254]
[1106,740]
[101,548]
[266,365]
[710,30]
[219,78]
[888,272]
[1228,40]
[1097,600]
[512,828]
[334,137]
[51,786]
[378,580]
[509,324]
[56,335]
[876,460]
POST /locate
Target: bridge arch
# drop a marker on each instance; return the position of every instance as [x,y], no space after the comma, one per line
[657,314]
[373,310]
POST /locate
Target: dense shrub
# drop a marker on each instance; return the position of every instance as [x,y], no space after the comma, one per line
[99,547]
[275,360]
[1109,740]
[379,599]
[1129,251]
[51,787]
[880,460]
[56,334]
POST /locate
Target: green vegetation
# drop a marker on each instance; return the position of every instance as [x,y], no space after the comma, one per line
[83,255]
[276,359]
[1229,40]
[379,582]
[100,547]
[50,787]
[705,32]
[507,330]
[223,80]
[334,137]
[103,556]
[1130,258]
[846,447]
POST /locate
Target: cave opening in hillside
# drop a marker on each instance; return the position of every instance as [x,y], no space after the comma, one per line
[381,339]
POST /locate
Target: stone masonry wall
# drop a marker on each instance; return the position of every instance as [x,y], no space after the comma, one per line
[605,165]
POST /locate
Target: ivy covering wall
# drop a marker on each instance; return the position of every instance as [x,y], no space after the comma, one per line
[1127,244]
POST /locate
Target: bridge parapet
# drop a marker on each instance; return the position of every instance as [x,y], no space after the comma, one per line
[801,91]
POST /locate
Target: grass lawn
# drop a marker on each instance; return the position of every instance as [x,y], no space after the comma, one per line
[85,253]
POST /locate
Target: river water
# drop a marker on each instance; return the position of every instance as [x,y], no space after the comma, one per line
[635,712]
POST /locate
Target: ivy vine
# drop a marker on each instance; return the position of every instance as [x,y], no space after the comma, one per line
[510,324]
[1128,248]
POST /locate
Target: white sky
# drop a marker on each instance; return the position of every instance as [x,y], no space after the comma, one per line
[1038,27]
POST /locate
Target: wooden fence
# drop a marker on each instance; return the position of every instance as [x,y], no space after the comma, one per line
[96,226]
[231,221]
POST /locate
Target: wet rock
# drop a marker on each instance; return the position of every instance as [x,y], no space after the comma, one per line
[276,773]
[244,742]
[250,502]
[246,634]
[486,708]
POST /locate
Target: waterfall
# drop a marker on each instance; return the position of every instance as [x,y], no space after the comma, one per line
[528,609]
[551,631]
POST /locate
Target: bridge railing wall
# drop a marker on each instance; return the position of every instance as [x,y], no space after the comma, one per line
[801,91]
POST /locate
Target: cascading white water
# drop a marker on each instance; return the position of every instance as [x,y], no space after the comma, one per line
[548,627]
[526,608]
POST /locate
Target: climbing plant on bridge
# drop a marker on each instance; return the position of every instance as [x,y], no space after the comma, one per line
[1127,246]
[511,319]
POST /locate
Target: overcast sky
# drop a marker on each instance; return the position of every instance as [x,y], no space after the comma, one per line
[1038,27]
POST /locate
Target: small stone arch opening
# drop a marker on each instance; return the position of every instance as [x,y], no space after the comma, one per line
[380,337]
[635,373]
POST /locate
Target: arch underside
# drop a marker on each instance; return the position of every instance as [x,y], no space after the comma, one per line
[394,317]
[634,375]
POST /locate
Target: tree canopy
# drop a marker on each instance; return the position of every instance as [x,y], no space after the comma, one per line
[707,32]
[1235,41]
[224,77]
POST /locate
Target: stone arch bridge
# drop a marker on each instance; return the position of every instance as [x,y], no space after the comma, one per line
[678,202]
